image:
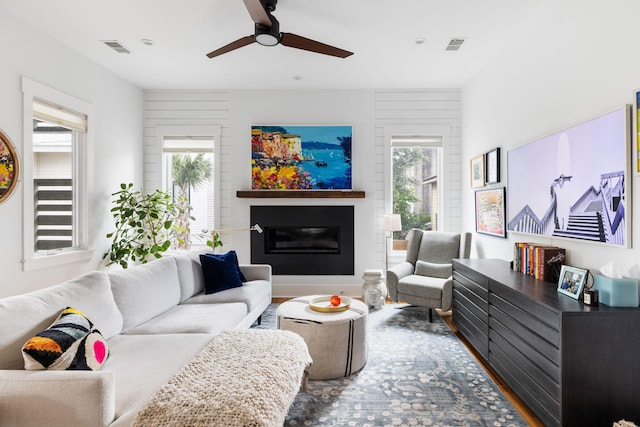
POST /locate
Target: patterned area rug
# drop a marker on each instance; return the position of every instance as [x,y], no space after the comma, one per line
[417,374]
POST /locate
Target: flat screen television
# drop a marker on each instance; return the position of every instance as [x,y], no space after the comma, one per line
[574,183]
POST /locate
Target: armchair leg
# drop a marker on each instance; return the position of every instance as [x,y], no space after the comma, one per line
[430,315]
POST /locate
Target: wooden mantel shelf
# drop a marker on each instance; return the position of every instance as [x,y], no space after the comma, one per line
[300,194]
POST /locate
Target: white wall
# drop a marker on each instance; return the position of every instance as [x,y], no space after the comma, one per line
[574,60]
[370,112]
[118,149]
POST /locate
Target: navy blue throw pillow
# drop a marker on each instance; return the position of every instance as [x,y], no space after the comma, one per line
[221,272]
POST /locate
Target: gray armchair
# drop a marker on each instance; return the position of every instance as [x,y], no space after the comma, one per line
[424,278]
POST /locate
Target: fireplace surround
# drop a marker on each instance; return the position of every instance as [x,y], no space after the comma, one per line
[304,240]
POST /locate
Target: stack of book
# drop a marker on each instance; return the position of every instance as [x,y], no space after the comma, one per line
[534,259]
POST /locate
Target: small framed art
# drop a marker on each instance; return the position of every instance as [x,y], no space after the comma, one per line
[492,166]
[477,171]
[9,167]
[572,281]
[490,212]
[636,131]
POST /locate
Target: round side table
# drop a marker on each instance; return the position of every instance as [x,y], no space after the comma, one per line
[337,342]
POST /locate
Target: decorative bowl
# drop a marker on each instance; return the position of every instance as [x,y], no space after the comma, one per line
[323,304]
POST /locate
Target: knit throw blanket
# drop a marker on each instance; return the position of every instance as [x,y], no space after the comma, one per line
[241,378]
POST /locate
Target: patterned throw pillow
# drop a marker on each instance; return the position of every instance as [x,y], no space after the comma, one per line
[71,342]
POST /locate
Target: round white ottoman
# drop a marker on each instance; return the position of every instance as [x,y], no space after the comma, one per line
[337,342]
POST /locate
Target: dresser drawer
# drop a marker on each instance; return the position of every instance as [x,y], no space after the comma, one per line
[478,287]
[533,309]
[474,329]
[479,307]
[527,323]
[541,402]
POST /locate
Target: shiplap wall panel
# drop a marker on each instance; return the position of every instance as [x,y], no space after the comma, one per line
[434,107]
[186,108]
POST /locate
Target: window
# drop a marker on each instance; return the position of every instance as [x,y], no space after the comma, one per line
[415,170]
[195,184]
[55,185]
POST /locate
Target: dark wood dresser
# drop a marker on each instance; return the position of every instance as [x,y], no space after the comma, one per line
[570,363]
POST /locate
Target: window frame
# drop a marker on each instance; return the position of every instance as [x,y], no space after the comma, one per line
[410,136]
[193,131]
[83,182]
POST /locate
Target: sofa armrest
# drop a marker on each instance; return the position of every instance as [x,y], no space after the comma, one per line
[57,398]
[256,271]
[394,274]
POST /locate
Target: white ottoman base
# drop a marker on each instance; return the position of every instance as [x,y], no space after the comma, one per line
[337,342]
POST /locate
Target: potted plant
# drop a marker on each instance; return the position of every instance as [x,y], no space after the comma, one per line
[144,226]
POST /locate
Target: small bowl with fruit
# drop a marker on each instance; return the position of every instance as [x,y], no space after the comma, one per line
[330,303]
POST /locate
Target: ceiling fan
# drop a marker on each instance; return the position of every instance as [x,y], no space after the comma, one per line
[267,33]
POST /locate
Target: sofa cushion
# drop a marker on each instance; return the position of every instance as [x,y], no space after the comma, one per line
[421,286]
[431,269]
[23,316]
[144,363]
[221,272]
[194,319]
[71,342]
[250,293]
[190,273]
[144,291]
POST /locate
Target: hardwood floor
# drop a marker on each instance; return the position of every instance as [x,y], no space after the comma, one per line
[524,411]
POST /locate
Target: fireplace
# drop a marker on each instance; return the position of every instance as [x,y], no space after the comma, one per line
[304,240]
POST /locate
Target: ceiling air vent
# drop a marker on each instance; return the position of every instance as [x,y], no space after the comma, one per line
[116,45]
[454,44]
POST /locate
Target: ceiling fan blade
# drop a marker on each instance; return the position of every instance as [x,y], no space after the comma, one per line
[299,42]
[232,46]
[257,12]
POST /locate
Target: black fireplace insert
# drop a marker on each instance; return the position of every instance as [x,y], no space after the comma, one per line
[304,240]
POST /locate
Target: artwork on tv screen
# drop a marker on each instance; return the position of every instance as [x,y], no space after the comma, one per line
[301,157]
[573,183]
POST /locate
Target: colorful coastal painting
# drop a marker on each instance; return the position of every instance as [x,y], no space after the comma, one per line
[8,167]
[301,157]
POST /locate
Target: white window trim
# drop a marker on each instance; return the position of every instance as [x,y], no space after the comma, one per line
[213,132]
[31,260]
[393,132]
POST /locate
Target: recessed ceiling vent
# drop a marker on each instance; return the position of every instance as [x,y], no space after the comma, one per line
[455,44]
[116,45]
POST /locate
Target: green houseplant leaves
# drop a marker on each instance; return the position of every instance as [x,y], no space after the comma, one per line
[143,226]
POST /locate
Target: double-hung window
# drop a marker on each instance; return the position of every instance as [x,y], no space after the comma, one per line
[55,179]
[203,198]
[200,197]
[415,177]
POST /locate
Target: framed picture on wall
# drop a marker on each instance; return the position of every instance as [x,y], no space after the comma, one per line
[9,167]
[572,281]
[492,166]
[287,157]
[490,212]
[556,180]
[636,140]
[477,171]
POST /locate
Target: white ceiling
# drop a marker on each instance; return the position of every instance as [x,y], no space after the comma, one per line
[381,34]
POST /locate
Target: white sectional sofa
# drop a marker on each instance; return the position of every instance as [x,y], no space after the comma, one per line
[155,318]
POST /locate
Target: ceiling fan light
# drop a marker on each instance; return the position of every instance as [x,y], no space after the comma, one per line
[267,39]
[268,36]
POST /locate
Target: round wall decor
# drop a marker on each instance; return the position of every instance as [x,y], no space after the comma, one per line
[9,167]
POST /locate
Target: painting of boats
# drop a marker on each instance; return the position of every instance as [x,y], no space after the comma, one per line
[301,157]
